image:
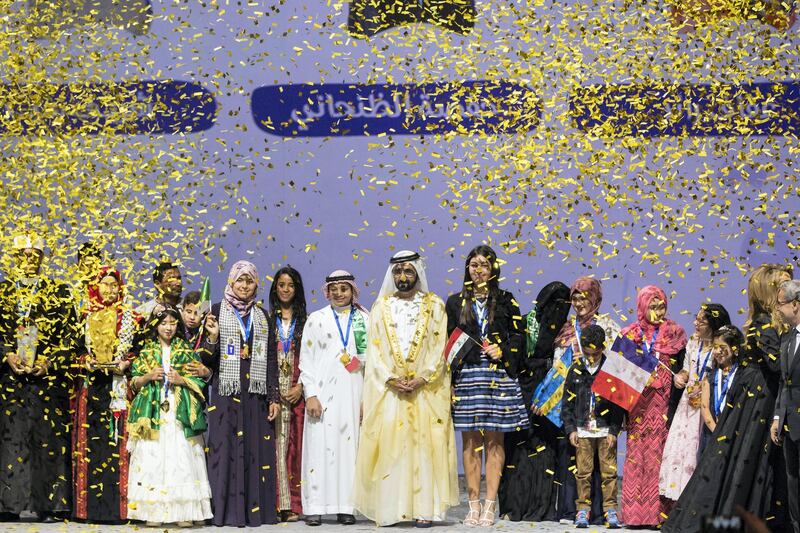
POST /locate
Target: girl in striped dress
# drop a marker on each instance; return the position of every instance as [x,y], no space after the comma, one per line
[487,398]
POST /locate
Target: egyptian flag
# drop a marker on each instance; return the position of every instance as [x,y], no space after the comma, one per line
[457,346]
[625,373]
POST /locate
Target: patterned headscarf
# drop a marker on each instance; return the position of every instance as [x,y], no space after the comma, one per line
[589,287]
[340,276]
[96,302]
[110,326]
[239,269]
[671,337]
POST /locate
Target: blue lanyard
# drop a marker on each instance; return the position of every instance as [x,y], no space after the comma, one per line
[286,342]
[592,395]
[721,388]
[245,330]
[700,373]
[26,313]
[647,350]
[483,321]
[577,327]
[344,336]
[166,379]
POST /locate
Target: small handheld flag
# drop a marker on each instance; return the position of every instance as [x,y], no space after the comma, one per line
[457,346]
[625,373]
[205,297]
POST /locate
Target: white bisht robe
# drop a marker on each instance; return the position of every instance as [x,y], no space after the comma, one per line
[407,459]
[330,443]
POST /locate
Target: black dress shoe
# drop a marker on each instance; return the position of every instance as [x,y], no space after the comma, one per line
[47,518]
[346,519]
[314,520]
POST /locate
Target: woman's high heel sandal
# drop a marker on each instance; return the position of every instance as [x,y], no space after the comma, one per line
[487,516]
[474,513]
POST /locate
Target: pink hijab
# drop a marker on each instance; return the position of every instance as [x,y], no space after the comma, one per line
[239,269]
[590,287]
[671,337]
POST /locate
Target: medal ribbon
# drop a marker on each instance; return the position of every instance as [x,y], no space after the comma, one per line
[165,364]
[578,333]
[483,321]
[721,390]
[286,342]
[244,330]
[700,373]
[646,349]
[592,395]
[344,336]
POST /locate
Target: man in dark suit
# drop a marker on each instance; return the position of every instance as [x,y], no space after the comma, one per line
[787,407]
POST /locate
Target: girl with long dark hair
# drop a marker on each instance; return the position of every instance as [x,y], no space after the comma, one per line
[488,401]
[168,481]
[287,317]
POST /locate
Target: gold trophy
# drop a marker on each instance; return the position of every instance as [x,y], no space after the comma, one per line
[694,391]
[104,342]
[27,339]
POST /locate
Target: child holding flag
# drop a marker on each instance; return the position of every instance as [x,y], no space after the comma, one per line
[194,309]
[192,317]
[592,424]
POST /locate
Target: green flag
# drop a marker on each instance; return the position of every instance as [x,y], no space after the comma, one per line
[205,298]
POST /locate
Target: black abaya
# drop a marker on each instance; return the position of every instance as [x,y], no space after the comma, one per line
[734,468]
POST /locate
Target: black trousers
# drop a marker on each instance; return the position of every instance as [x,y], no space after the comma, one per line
[791,451]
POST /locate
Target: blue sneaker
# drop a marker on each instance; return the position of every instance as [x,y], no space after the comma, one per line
[611,519]
[582,519]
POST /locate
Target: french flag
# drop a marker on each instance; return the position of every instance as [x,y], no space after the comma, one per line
[625,373]
[456,347]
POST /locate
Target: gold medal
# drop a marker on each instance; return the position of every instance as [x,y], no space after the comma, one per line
[286,367]
[345,358]
[245,351]
[165,405]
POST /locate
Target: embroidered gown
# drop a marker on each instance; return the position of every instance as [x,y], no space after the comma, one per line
[647,435]
[289,425]
[167,480]
[99,436]
[683,441]
[241,444]
[330,443]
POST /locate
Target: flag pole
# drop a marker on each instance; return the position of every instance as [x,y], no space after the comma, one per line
[205,308]
[665,366]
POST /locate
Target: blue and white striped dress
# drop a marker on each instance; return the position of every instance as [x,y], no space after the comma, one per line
[487,398]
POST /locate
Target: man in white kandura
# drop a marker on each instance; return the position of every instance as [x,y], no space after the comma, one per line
[406,467]
[332,374]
